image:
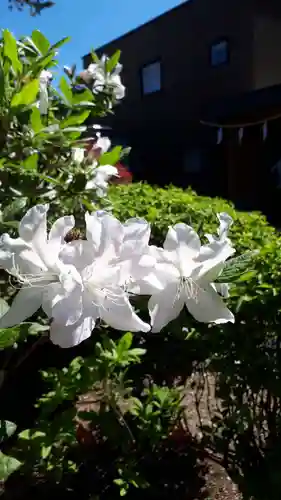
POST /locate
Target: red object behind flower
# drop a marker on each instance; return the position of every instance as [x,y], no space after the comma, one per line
[124,175]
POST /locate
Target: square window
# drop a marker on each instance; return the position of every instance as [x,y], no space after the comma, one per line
[151,77]
[219,53]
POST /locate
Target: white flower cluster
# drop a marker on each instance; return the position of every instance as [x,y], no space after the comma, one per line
[103,80]
[79,282]
[100,174]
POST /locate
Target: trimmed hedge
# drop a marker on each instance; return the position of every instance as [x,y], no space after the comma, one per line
[246,356]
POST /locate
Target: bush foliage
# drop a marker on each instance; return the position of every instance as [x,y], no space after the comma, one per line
[245,357]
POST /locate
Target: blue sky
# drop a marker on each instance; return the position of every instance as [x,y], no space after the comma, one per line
[89,23]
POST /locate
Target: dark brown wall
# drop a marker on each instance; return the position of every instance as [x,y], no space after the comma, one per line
[183,38]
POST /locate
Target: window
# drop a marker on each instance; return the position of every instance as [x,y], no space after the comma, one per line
[219,53]
[151,78]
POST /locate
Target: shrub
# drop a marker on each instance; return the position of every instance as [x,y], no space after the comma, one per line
[245,356]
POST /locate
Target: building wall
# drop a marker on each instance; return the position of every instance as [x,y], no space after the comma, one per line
[267,49]
[182,39]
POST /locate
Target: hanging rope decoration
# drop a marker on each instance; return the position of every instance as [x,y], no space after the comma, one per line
[241,126]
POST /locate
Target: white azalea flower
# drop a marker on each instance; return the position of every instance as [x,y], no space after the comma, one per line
[103,80]
[44,80]
[101,176]
[99,294]
[225,222]
[33,260]
[185,272]
[102,145]
[136,260]
[78,155]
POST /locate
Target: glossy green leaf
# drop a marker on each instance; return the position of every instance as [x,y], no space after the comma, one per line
[60,43]
[236,267]
[31,162]
[8,336]
[113,61]
[41,42]
[11,50]
[27,94]
[85,96]
[7,429]
[66,90]
[36,122]
[112,157]
[11,210]
[8,465]
[125,342]
[73,120]
[2,83]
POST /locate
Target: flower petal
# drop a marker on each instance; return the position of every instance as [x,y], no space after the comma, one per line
[119,314]
[79,253]
[165,306]
[58,232]
[93,229]
[183,235]
[33,226]
[136,237]
[211,260]
[184,243]
[25,304]
[208,307]
[70,336]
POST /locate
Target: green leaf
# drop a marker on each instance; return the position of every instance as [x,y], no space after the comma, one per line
[2,82]
[8,465]
[11,210]
[31,162]
[8,336]
[94,57]
[75,119]
[113,61]
[234,268]
[61,42]
[35,119]
[85,96]
[45,451]
[125,342]
[41,42]
[4,306]
[137,352]
[7,429]
[27,94]
[66,90]
[112,157]
[11,50]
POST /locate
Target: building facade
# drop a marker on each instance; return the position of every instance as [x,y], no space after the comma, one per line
[202,83]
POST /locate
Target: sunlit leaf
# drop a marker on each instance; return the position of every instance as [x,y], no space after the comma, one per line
[36,121]
[66,90]
[7,429]
[11,210]
[27,94]
[31,162]
[8,336]
[112,157]
[11,50]
[113,61]
[41,42]
[73,120]
[8,465]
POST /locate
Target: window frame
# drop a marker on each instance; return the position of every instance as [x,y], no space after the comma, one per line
[142,67]
[215,43]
